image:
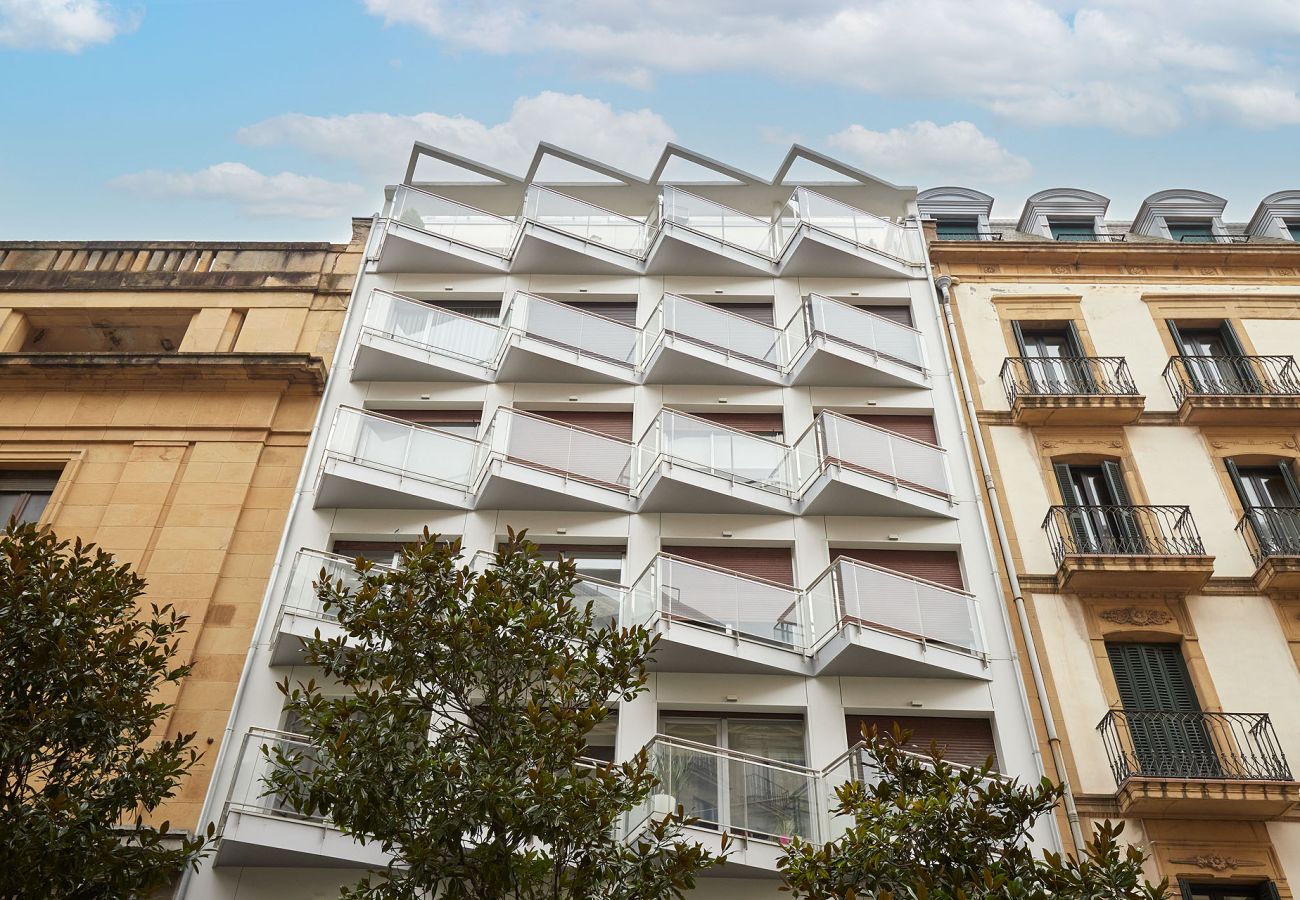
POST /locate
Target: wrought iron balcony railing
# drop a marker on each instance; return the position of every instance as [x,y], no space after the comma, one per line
[1271,531]
[1195,745]
[1091,237]
[971,235]
[1232,376]
[1122,531]
[1095,376]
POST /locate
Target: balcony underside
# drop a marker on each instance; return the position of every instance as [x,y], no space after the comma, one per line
[409,249]
[680,251]
[1278,574]
[1266,409]
[831,363]
[1099,573]
[747,857]
[292,629]
[535,359]
[255,840]
[673,487]
[817,253]
[1198,798]
[857,649]
[345,484]
[512,484]
[380,358]
[679,360]
[844,491]
[546,251]
[691,647]
[1076,409]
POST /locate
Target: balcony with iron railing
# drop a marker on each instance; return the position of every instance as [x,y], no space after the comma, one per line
[1197,764]
[1071,390]
[1124,547]
[1272,534]
[1235,390]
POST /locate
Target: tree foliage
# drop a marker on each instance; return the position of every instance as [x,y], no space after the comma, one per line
[80,670]
[924,828]
[458,744]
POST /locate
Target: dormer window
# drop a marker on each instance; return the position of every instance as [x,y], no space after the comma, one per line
[959,214]
[1072,229]
[1277,216]
[1191,231]
[957,228]
[1184,216]
[1293,229]
[1065,214]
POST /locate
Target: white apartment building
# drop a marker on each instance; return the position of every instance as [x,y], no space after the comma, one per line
[729,399]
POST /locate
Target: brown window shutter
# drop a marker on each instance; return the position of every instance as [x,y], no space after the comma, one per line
[610,550]
[772,563]
[619,312]
[759,312]
[615,423]
[942,566]
[436,416]
[756,423]
[967,742]
[900,314]
[484,310]
[920,428]
[382,552]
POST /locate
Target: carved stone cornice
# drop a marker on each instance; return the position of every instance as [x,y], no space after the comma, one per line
[1139,616]
[1216,862]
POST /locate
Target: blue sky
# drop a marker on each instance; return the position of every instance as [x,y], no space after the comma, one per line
[278,119]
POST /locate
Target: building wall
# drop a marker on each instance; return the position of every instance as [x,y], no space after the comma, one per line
[1240,643]
[180,464]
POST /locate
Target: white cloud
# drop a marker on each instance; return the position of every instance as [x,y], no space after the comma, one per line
[66,25]
[1254,105]
[958,152]
[1106,63]
[379,143]
[284,195]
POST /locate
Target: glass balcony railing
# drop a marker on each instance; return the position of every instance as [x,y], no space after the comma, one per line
[607,599]
[722,223]
[587,221]
[574,328]
[857,593]
[862,228]
[838,440]
[578,453]
[865,330]
[300,594]
[393,445]
[701,445]
[680,590]
[453,220]
[428,327]
[715,328]
[249,791]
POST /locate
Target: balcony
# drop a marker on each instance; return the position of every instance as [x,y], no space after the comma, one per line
[428,233]
[698,236]
[1123,548]
[869,620]
[850,468]
[562,234]
[1235,390]
[527,461]
[1209,765]
[689,342]
[405,340]
[716,620]
[546,341]
[259,829]
[1078,390]
[688,464]
[850,346]
[1273,536]
[373,461]
[828,238]
[302,614]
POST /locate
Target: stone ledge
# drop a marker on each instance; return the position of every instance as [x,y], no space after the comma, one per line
[148,369]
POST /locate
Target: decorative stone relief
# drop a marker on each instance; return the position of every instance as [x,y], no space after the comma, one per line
[1137,615]
[1216,862]
[1135,270]
[1061,270]
[1209,270]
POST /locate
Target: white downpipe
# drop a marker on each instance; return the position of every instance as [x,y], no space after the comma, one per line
[944,283]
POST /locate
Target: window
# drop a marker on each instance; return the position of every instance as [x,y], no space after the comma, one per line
[25,494]
[1072,229]
[1271,500]
[1191,231]
[1213,359]
[1052,357]
[1211,891]
[384,553]
[603,563]
[1101,517]
[1293,229]
[1165,728]
[957,229]
[602,740]
[966,742]
[462,422]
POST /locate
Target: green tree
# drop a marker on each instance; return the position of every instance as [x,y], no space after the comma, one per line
[924,828]
[81,668]
[458,745]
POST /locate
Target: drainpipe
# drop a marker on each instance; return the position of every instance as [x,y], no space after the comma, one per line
[944,283]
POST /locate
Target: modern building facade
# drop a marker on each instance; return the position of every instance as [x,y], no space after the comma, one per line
[1136,390]
[156,398]
[729,400]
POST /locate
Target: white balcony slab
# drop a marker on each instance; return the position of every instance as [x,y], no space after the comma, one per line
[546,250]
[816,252]
[836,362]
[512,484]
[858,649]
[677,487]
[679,250]
[687,646]
[345,483]
[380,357]
[676,359]
[842,490]
[534,359]
[406,248]
[292,628]
[256,839]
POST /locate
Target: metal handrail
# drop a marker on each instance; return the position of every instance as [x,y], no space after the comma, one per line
[1121,531]
[1270,531]
[971,235]
[1065,376]
[1211,746]
[772,226]
[1231,375]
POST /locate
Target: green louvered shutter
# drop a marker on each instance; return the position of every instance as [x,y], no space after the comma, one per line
[1168,735]
[1081,537]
